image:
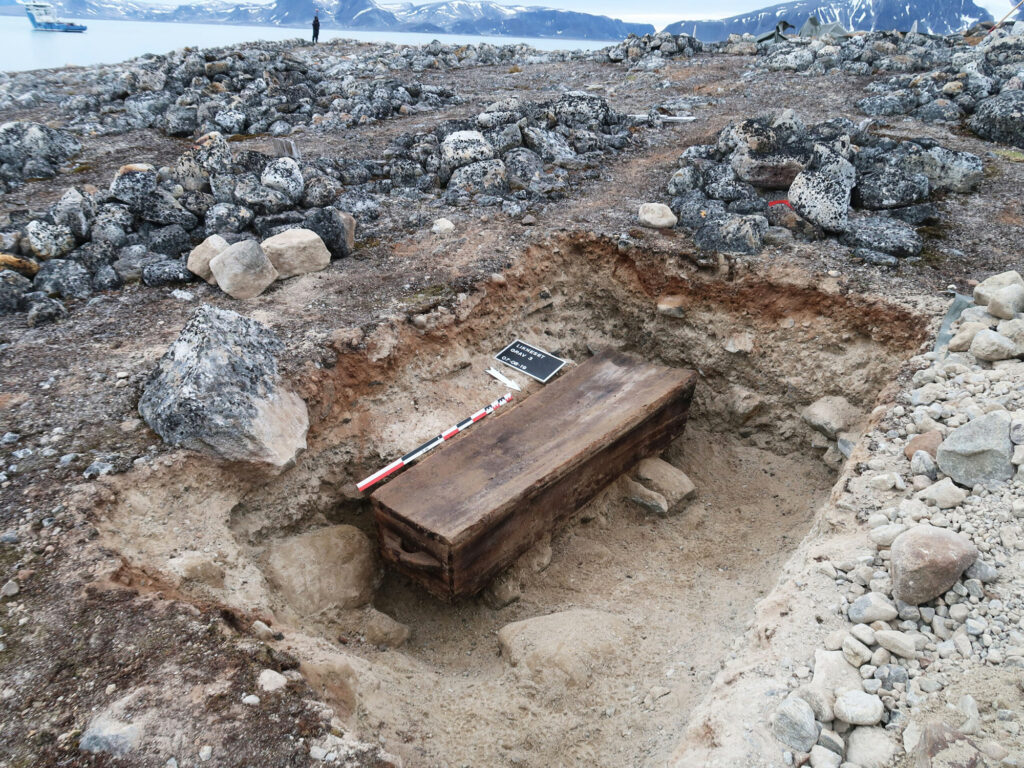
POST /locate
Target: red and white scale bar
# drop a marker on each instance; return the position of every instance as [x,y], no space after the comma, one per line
[412,456]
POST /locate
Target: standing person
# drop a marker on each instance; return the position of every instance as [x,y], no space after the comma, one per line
[316,27]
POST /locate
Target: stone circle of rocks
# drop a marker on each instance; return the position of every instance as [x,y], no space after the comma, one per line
[649,51]
[149,220]
[256,88]
[981,82]
[859,54]
[733,194]
[513,154]
[167,226]
[934,78]
[930,595]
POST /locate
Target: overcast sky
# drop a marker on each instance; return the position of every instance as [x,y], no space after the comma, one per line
[663,12]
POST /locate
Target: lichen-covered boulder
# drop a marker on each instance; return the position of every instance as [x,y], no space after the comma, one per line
[487,177]
[336,228]
[884,235]
[48,241]
[285,176]
[822,198]
[1001,118]
[64,279]
[891,189]
[217,390]
[133,183]
[39,146]
[463,148]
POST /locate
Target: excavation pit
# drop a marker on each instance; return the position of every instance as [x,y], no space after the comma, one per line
[609,633]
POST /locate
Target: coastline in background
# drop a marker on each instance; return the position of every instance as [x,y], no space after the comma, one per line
[109,42]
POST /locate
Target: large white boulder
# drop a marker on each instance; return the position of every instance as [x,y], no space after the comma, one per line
[243,270]
[296,252]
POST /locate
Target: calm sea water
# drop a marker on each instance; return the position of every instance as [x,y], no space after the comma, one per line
[108,42]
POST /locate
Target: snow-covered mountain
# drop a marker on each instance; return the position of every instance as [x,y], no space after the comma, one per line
[483,17]
[936,16]
[467,17]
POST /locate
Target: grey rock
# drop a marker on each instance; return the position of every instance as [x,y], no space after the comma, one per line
[979,452]
[217,390]
[982,571]
[521,166]
[48,241]
[872,747]
[106,278]
[694,209]
[110,736]
[551,147]
[830,415]
[463,148]
[873,606]
[180,121]
[897,643]
[22,141]
[485,177]
[922,463]
[43,311]
[76,211]
[11,295]
[858,708]
[991,346]
[793,724]
[133,184]
[883,234]
[893,188]
[336,229]
[172,240]
[947,170]
[63,279]
[228,218]
[1001,118]
[167,272]
[731,233]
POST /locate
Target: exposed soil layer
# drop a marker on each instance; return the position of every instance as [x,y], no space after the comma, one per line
[685,584]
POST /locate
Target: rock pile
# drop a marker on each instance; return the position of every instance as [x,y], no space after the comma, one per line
[646,51]
[32,151]
[263,87]
[861,54]
[935,79]
[984,80]
[942,497]
[512,154]
[725,192]
[143,225]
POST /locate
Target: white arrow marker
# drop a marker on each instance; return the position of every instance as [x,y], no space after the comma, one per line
[504,379]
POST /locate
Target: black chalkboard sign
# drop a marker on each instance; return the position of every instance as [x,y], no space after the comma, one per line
[535,363]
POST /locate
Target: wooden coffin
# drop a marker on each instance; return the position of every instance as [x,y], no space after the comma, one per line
[455,520]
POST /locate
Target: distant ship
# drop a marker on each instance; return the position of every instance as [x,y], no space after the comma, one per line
[44,19]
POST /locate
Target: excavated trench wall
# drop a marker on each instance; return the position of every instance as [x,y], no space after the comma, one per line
[664,596]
